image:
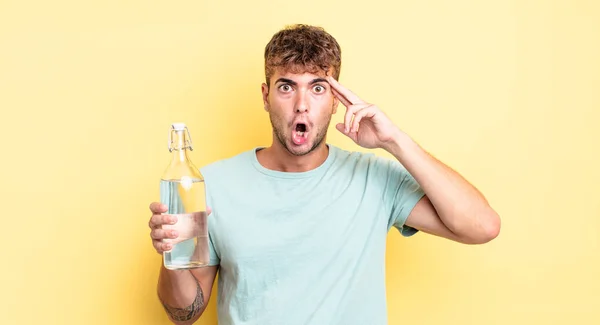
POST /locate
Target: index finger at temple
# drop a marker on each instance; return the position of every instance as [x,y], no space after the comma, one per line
[341,98]
[350,96]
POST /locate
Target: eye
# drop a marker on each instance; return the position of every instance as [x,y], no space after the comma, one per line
[285,88]
[319,89]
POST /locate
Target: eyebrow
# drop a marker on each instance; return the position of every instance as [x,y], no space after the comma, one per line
[292,82]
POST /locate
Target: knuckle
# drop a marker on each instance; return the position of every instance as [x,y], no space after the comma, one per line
[152,223]
[156,207]
[156,245]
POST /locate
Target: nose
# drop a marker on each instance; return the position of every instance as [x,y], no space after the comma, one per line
[301,103]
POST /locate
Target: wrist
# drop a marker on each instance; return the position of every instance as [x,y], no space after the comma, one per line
[399,145]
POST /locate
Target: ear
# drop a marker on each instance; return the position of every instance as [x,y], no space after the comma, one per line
[265,96]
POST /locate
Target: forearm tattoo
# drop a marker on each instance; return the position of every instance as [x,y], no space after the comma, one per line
[189,312]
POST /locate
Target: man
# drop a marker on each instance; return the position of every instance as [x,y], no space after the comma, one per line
[298,229]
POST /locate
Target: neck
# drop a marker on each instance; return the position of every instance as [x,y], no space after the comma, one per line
[276,157]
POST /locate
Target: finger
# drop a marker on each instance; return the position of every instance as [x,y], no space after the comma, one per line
[158,220]
[351,135]
[341,98]
[350,96]
[208,210]
[368,111]
[158,208]
[160,234]
[161,247]
[349,113]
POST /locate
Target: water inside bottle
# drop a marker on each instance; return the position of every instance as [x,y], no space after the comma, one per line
[186,199]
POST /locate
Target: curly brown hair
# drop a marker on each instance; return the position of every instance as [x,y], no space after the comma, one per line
[302,48]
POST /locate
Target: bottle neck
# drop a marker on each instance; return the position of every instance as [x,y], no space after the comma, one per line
[179,146]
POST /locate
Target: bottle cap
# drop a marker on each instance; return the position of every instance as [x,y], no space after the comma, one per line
[178,126]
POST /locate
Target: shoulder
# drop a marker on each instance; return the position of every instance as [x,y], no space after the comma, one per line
[368,160]
[345,155]
[228,165]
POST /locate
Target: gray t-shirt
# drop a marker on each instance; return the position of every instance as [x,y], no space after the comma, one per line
[308,247]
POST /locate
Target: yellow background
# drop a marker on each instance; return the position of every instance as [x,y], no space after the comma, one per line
[506,92]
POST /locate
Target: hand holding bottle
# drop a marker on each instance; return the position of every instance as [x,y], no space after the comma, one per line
[168,230]
[157,233]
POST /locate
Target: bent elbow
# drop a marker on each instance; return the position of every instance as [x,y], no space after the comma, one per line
[486,230]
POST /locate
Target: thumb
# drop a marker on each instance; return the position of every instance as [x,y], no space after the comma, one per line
[340,127]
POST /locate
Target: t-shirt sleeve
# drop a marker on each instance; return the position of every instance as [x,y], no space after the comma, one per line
[215,258]
[401,193]
[213,255]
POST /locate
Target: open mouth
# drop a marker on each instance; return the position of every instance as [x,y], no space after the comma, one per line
[299,134]
[300,128]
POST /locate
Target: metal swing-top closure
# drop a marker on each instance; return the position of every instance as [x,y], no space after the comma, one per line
[186,138]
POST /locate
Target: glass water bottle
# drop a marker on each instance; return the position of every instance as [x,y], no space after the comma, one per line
[182,190]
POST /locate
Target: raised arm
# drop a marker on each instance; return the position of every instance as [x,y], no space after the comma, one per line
[452,207]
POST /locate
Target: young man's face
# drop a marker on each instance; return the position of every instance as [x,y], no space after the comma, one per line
[300,108]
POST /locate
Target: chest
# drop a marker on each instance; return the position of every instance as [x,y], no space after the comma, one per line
[293,223]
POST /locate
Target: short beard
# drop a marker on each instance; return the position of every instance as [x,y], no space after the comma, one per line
[282,138]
